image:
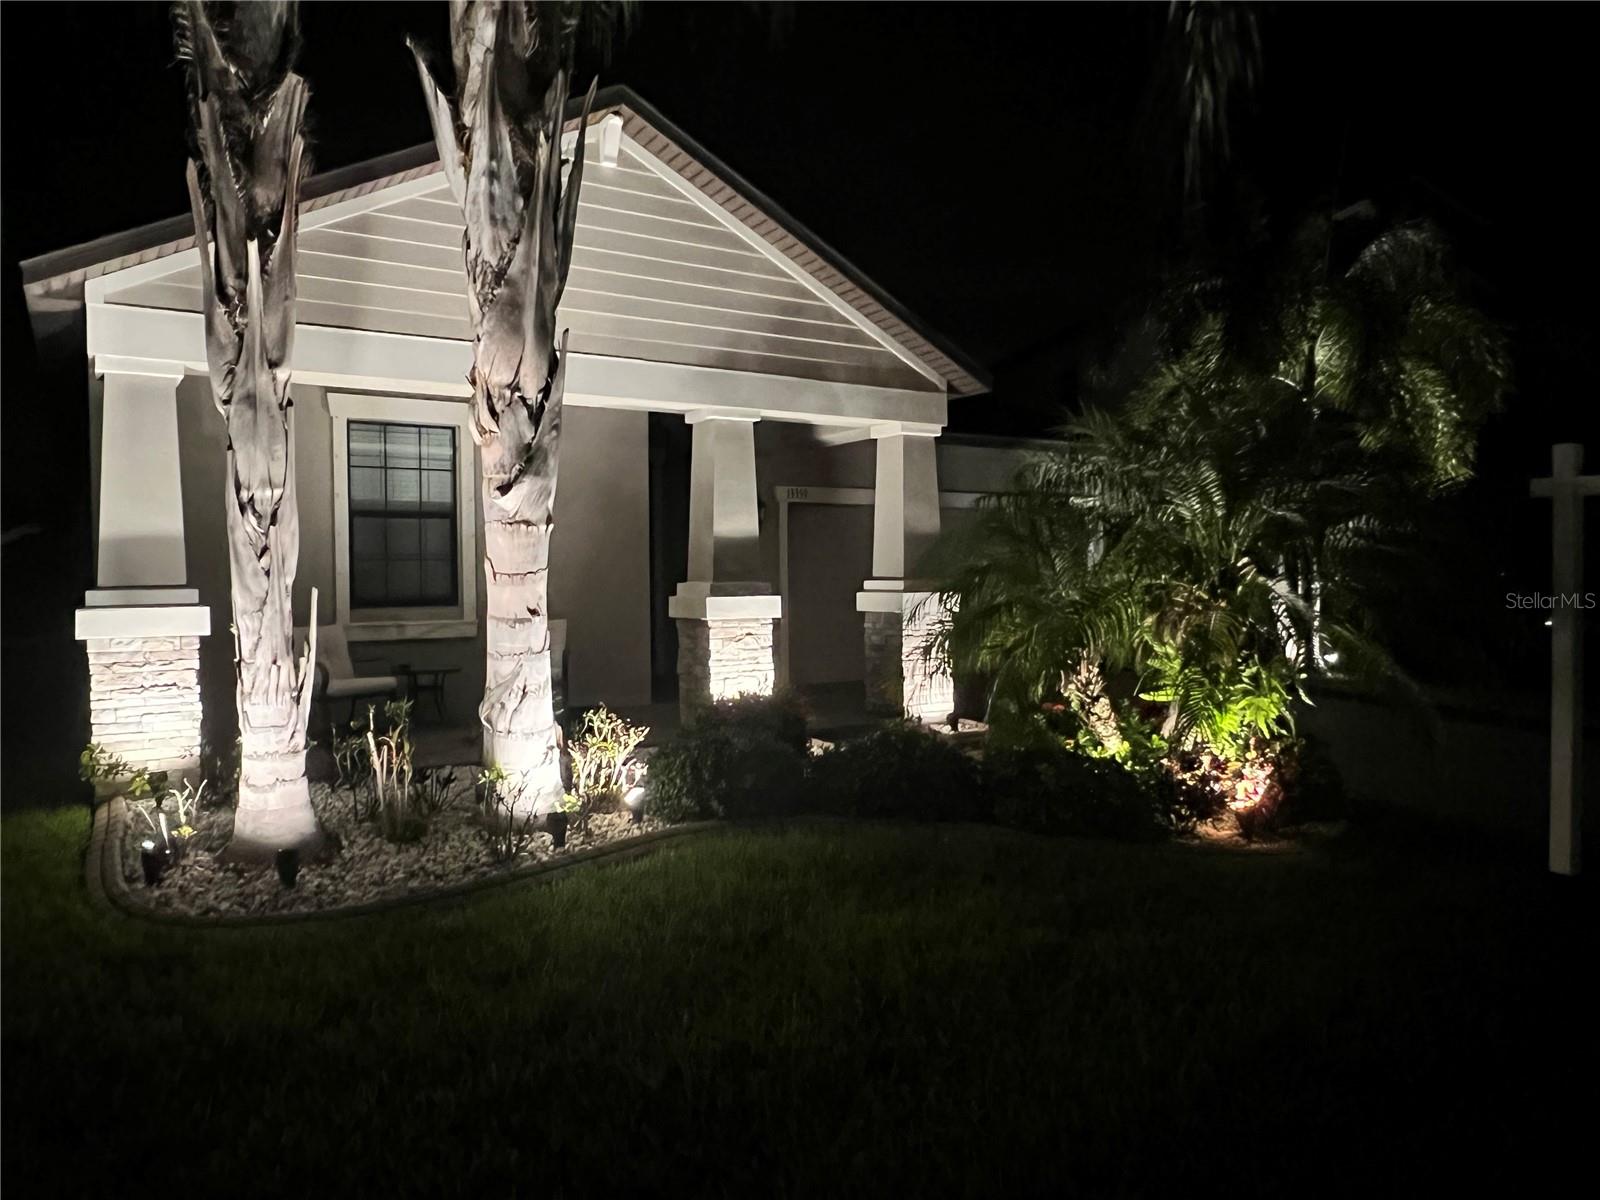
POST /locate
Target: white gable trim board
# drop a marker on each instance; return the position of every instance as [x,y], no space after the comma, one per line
[365,360]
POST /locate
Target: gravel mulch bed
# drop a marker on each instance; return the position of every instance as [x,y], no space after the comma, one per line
[456,849]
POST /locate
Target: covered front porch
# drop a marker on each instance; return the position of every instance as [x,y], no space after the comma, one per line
[729,379]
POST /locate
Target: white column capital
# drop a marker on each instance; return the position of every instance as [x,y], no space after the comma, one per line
[148,368]
[887,429]
[699,415]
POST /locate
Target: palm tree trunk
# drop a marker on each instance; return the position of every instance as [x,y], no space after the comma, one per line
[1085,690]
[499,134]
[247,109]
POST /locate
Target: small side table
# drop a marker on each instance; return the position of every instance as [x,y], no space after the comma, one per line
[422,681]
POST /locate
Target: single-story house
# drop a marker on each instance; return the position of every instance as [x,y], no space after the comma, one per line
[751,462]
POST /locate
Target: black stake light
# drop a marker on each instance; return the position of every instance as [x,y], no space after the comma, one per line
[287,860]
[556,826]
[153,861]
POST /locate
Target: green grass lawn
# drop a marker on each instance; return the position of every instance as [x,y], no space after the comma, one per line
[823,1010]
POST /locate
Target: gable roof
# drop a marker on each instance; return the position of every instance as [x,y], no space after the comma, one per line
[782,326]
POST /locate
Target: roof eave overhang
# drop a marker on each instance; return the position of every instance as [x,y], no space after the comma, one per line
[61,274]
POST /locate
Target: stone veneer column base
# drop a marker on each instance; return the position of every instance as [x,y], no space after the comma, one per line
[144,677]
[884,678]
[144,699]
[899,681]
[720,658]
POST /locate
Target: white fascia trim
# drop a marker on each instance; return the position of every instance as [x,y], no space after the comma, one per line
[332,357]
[344,407]
[747,415]
[878,429]
[603,381]
[146,368]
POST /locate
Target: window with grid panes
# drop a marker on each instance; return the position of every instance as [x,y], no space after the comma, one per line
[402,515]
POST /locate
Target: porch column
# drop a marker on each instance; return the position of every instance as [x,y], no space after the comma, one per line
[897,607]
[141,627]
[724,609]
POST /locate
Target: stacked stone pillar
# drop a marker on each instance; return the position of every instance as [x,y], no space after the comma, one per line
[144,699]
[141,626]
[898,608]
[724,609]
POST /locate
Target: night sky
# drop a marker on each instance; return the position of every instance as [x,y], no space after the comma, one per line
[1008,172]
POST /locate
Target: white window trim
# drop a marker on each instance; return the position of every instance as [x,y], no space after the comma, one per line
[397,625]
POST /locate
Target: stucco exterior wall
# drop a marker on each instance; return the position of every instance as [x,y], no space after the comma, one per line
[972,468]
[202,443]
[830,545]
[599,559]
[600,556]
[830,553]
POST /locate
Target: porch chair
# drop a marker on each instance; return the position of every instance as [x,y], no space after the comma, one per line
[336,679]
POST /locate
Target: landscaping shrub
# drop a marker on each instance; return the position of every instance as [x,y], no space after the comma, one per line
[1312,788]
[899,771]
[1056,790]
[723,769]
[781,716]
[219,767]
[1059,791]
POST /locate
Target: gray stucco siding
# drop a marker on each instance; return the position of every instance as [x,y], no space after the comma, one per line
[599,555]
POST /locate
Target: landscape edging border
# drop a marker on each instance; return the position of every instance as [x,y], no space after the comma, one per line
[108,886]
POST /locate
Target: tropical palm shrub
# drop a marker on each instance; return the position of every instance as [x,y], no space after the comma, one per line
[1198,546]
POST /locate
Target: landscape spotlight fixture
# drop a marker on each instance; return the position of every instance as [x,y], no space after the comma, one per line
[153,862]
[634,799]
[287,860]
[555,825]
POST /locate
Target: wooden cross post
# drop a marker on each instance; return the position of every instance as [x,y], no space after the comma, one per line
[1566,488]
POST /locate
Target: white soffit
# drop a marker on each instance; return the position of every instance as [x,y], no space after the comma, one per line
[660,271]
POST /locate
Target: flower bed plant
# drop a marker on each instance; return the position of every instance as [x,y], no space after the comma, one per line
[604,763]
[400,829]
